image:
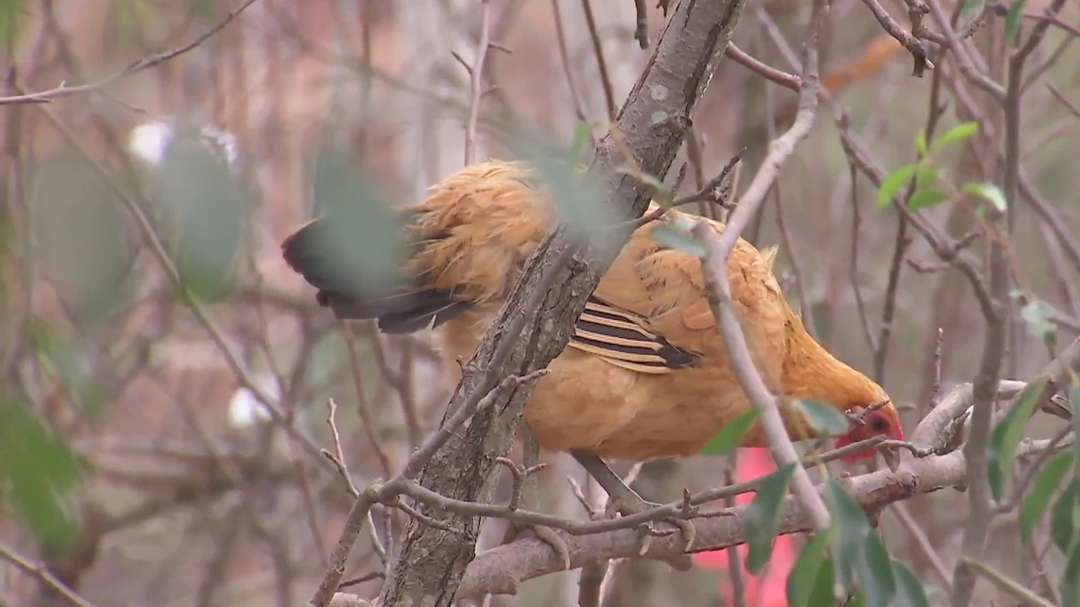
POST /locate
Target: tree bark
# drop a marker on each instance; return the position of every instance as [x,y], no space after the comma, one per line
[536,322]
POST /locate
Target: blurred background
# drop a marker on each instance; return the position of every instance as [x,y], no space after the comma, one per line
[138,459]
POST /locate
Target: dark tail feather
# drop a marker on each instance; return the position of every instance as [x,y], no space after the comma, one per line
[399,308]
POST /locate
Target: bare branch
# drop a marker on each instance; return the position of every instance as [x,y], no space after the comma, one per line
[136,66]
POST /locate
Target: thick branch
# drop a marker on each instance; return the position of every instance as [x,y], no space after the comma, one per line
[535,323]
[502,569]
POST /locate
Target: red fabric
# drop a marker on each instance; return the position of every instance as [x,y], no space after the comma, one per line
[768,588]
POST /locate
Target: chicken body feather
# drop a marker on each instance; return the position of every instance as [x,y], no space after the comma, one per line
[646,373]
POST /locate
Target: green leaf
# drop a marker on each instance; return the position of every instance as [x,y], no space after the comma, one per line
[1042,489]
[1036,315]
[875,572]
[1070,579]
[731,434]
[1006,436]
[909,589]
[580,141]
[362,244]
[925,177]
[763,517]
[672,238]
[578,196]
[40,471]
[206,209]
[1012,20]
[920,144]
[926,198]
[892,184]
[988,192]
[852,530]
[823,418]
[970,9]
[80,241]
[959,133]
[1075,402]
[803,579]
[1065,517]
[12,13]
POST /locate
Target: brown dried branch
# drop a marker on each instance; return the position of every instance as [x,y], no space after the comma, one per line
[908,41]
[715,268]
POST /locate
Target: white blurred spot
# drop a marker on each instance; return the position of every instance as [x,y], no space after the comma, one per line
[659,92]
[659,116]
[150,140]
[245,410]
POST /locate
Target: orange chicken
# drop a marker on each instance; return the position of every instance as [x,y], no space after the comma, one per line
[645,375]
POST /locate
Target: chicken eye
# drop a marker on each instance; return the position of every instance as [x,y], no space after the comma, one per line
[878,424]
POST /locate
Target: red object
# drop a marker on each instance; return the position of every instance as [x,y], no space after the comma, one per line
[766,589]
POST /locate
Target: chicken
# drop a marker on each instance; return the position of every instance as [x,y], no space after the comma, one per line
[645,375]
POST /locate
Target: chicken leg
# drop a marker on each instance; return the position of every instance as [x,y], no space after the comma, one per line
[625,500]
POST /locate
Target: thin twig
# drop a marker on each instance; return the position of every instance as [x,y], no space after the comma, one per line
[62,90]
[1009,585]
[42,574]
[598,50]
[564,59]
[476,83]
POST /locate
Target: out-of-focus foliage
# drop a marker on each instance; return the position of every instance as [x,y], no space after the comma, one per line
[37,472]
[81,239]
[762,518]
[205,208]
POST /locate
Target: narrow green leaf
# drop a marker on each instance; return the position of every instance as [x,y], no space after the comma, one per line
[731,434]
[763,517]
[909,589]
[920,144]
[988,192]
[926,198]
[1012,20]
[1070,579]
[959,133]
[40,471]
[672,238]
[1006,436]
[1075,402]
[824,591]
[875,572]
[852,531]
[892,183]
[1042,489]
[803,579]
[823,418]
[1065,517]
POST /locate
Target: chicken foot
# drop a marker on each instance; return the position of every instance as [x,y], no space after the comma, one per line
[530,458]
[625,500]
